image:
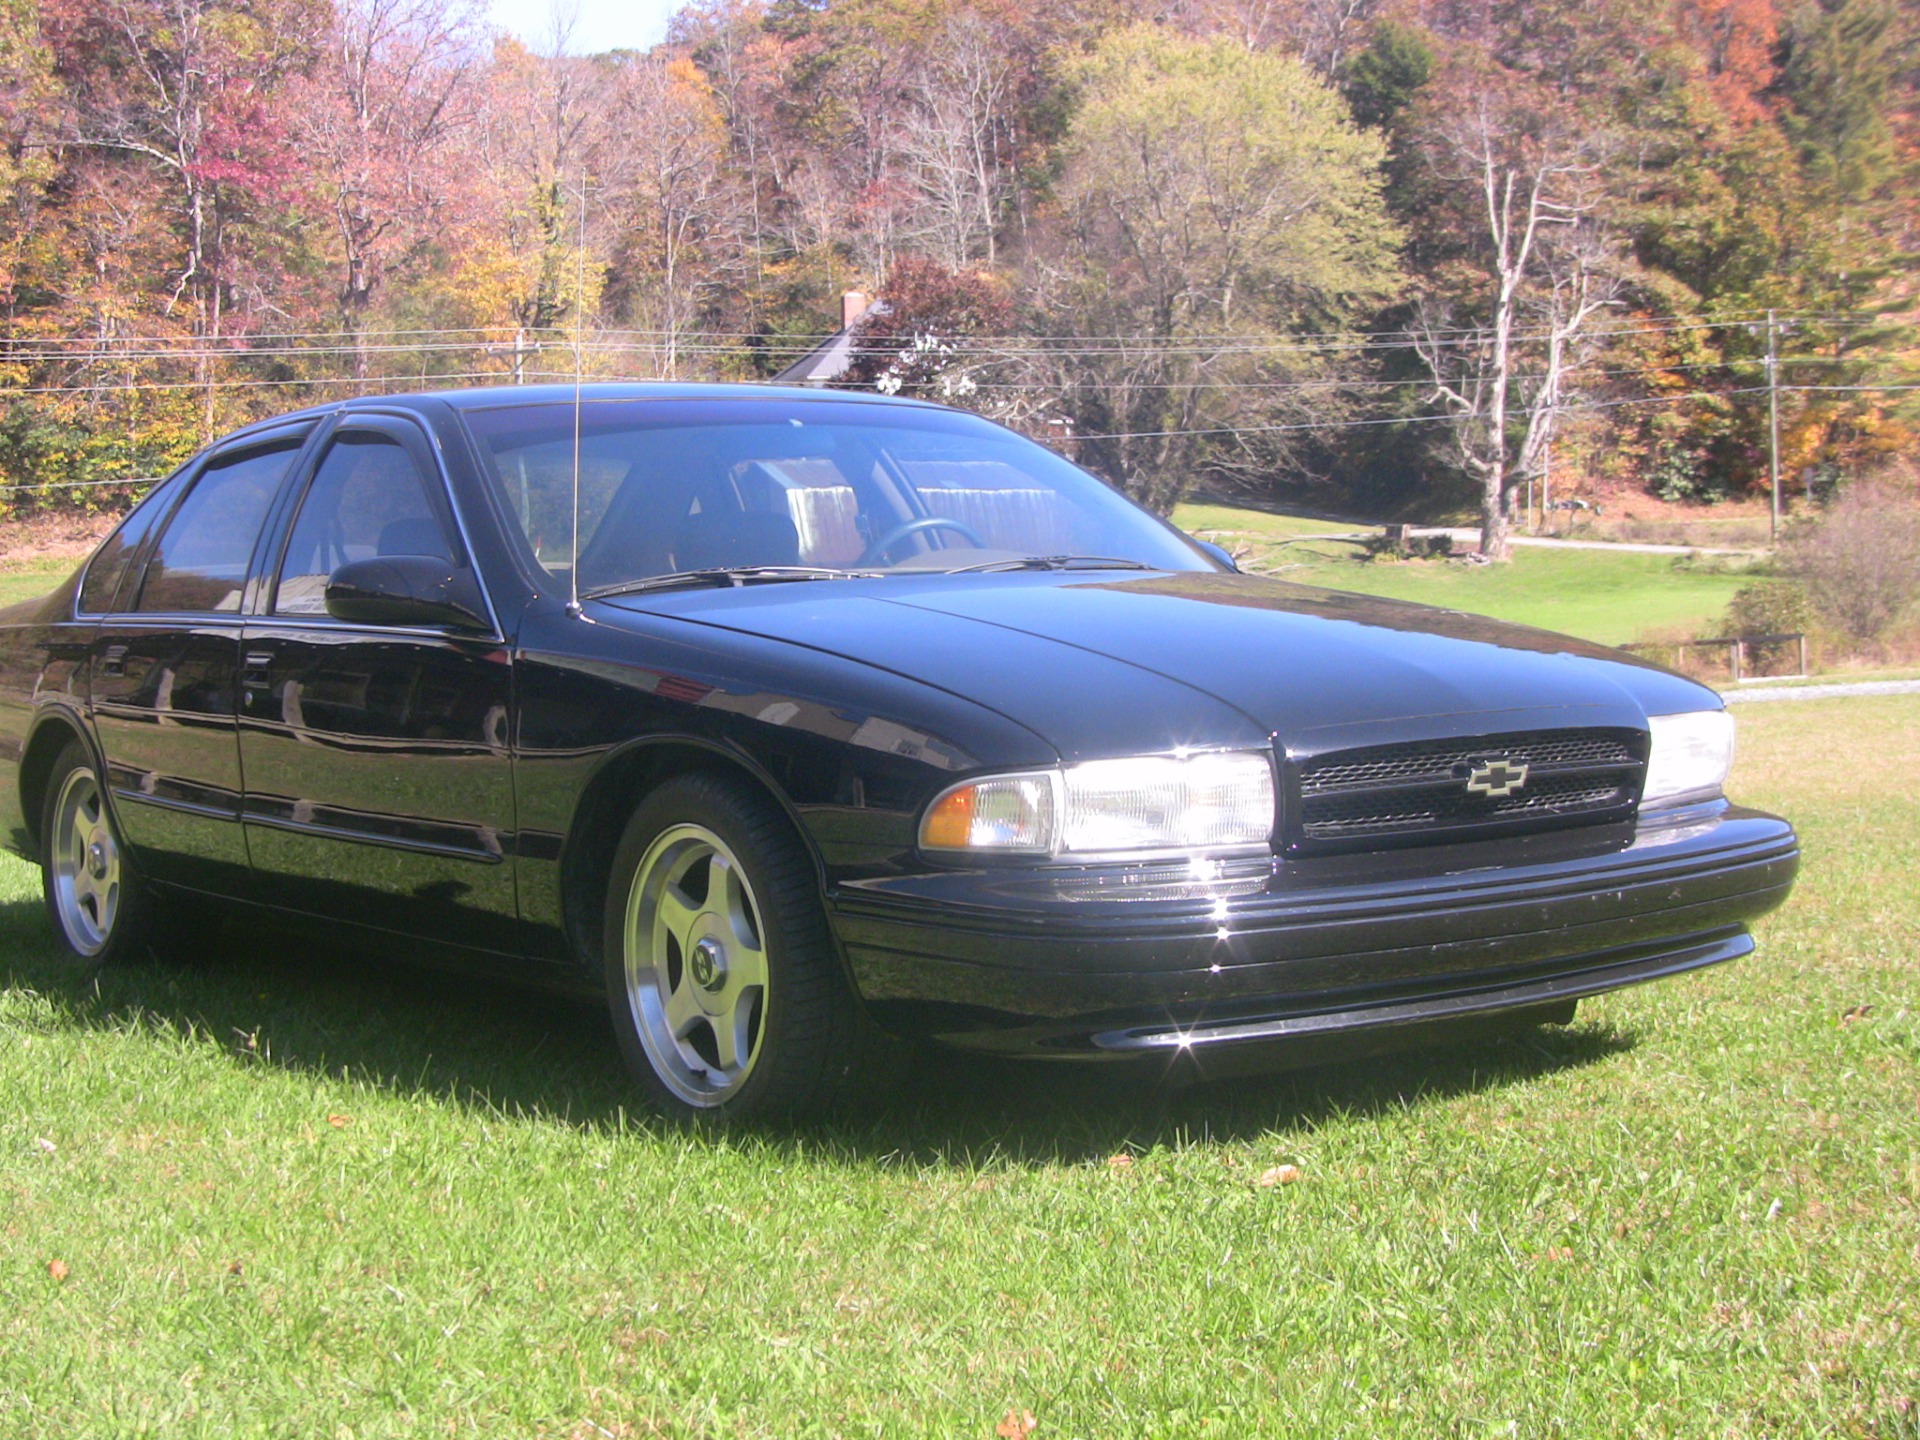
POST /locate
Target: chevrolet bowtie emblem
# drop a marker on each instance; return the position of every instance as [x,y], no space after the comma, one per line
[1496,779]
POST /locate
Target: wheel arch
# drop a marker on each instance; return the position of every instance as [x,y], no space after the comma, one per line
[53,729]
[607,801]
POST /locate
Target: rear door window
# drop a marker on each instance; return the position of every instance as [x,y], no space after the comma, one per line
[200,563]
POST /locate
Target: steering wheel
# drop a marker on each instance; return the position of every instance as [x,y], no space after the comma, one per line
[894,536]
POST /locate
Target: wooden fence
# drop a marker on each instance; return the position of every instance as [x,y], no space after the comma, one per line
[1736,648]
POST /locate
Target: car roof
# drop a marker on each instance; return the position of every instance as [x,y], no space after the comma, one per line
[489,396]
[474,399]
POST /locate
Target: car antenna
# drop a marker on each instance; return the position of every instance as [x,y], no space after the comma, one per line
[579,364]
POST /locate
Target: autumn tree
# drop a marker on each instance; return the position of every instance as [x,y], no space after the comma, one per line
[1500,329]
[1214,202]
[680,214]
[29,122]
[1172,224]
[540,140]
[1323,33]
[1765,176]
[921,126]
[956,140]
[924,335]
[1849,76]
[184,87]
[377,122]
[744,64]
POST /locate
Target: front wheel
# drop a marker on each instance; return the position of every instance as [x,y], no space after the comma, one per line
[102,913]
[725,992]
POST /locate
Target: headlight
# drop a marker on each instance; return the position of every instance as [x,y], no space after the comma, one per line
[1690,756]
[1107,807]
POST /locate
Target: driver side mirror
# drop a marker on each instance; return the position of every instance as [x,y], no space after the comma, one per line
[406,590]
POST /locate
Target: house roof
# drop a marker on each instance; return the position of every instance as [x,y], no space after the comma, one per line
[831,358]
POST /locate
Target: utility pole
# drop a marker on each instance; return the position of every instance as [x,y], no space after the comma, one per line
[517,354]
[1773,424]
[1546,481]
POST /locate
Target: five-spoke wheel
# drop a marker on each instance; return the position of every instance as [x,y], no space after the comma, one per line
[84,872]
[696,967]
[101,912]
[724,988]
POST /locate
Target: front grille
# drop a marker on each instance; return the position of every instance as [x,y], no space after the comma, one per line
[1417,793]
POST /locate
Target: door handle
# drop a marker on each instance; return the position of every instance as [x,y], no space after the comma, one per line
[257,674]
[113,660]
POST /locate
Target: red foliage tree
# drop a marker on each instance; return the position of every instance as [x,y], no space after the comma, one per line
[904,344]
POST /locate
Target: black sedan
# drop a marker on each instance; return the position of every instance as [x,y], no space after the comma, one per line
[788,719]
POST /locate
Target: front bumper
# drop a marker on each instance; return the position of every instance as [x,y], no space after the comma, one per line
[1290,955]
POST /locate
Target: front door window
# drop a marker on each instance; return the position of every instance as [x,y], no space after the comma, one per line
[368,498]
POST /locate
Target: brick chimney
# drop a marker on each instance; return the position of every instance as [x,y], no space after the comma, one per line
[853,305]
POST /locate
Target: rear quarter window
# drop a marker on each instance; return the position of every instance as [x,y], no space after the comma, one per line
[107,570]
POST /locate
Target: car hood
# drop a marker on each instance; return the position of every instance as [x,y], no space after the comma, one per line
[1113,663]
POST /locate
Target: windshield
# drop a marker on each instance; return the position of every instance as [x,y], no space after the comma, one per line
[670,486]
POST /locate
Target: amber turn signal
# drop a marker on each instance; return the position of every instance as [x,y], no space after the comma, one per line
[949,824]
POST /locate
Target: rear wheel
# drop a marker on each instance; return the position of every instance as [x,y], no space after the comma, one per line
[725,992]
[102,913]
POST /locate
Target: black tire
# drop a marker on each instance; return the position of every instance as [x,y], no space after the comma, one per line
[684,960]
[102,911]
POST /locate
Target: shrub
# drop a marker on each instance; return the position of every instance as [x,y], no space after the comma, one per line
[1768,607]
[1678,474]
[1860,562]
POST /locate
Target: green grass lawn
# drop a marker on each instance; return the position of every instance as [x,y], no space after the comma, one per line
[1612,598]
[1255,525]
[275,1191]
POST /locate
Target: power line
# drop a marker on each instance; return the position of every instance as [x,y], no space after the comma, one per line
[609,350]
[1292,427]
[281,346]
[506,331]
[1337,383]
[1321,385]
[1849,389]
[1454,417]
[79,484]
[125,387]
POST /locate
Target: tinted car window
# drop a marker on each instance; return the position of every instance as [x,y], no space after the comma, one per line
[201,561]
[368,498]
[109,564]
[691,485]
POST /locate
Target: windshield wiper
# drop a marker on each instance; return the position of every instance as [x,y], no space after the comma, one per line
[1052,562]
[726,575]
